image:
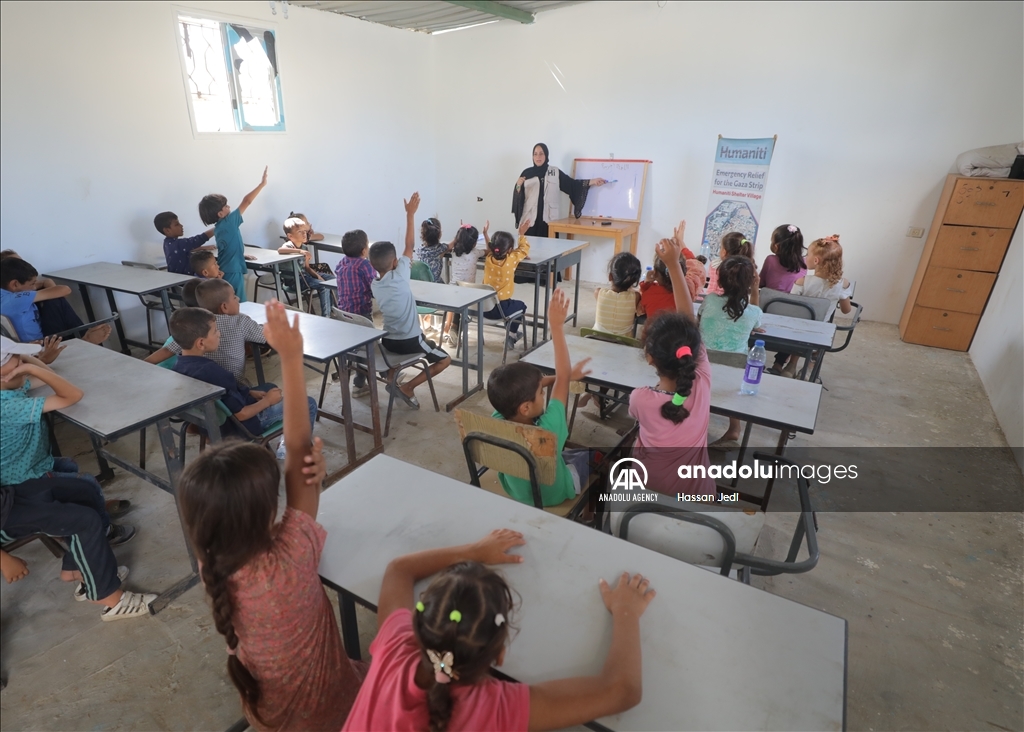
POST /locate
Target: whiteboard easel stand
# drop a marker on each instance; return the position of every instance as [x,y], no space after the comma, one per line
[619,230]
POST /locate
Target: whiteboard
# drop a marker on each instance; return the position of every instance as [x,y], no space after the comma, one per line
[622,199]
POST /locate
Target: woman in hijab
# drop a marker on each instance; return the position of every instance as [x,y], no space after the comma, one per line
[536,194]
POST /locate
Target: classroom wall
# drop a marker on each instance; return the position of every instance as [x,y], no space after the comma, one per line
[871,102]
[96,136]
[998,347]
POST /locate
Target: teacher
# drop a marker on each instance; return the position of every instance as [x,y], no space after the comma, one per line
[536,195]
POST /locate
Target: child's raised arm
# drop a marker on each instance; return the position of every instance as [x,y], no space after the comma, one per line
[564,369]
[251,195]
[404,572]
[669,251]
[285,338]
[410,223]
[568,702]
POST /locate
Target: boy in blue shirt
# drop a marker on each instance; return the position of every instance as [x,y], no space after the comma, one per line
[398,306]
[195,331]
[214,210]
[177,248]
[516,392]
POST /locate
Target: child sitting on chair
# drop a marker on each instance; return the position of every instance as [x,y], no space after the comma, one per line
[204,263]
[617,305]
[236,329]
[516,392]
[397,304]
[196,333]
[296,233]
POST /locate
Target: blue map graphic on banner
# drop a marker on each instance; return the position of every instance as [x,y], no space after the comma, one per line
[729,216]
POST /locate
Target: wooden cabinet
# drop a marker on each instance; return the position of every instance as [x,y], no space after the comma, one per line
[970,234]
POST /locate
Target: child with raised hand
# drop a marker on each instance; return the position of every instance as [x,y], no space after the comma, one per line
[395,299]
[465,256]
[674,415]
[516,391]
[285,653]
[503,256]
[215,211]
[432,657]
[617,305]
[726,322]
[431,249]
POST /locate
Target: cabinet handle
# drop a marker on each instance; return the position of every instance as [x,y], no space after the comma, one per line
[969,249]
[953,289]
[935,327]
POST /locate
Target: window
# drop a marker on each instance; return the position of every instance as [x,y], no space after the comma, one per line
[231,76]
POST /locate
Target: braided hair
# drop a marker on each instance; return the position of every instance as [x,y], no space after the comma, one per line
[662,340]
[480,601]
[228,498]
[430,232]
[736,275]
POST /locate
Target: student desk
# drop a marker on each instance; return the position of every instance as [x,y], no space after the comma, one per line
[717,654]
[268,260]
[787,405]
[124,395]
[113,278]
[795,335]
[328,341]
[547,257]
[330,243]
[458,300]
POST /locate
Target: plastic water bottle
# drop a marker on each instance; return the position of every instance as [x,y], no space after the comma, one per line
[755,367]
[705,250]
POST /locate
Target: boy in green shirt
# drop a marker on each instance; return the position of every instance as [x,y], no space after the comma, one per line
[516,392]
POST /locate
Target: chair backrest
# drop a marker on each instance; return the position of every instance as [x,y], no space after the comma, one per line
[420,271]
[600,335]
[383,363]
[540,443]
[140,265]
[794,306]
[7,328]
[728,358]
[344,317]
[490,302]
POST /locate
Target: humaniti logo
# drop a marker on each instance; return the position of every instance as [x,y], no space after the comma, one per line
[626,477]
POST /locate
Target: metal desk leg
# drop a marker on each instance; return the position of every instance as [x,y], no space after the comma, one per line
[346,408]
[174,465]
[464,315]
[165,299]
[480,341]
[118,324]
[536,302]
[83,289]
[547,296]
[279,288]
[371,380]
[464,341]
[576,296]
[349,624]
[299,283]
[316,252]
[106,472]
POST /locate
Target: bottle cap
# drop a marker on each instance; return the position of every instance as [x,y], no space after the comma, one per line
[759,343]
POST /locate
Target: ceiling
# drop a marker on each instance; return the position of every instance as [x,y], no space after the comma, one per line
[428,16]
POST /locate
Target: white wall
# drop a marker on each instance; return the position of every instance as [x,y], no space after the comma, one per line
[96,139]
[872,102]
[998,347]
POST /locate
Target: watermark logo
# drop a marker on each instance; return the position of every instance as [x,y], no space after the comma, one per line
[628,478]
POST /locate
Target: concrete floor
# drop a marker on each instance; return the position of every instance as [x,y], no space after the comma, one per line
[934,600]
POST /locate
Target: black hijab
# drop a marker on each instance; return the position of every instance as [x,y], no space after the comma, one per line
[538,171]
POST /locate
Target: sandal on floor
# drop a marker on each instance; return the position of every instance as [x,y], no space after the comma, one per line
[411,401]
[724,445]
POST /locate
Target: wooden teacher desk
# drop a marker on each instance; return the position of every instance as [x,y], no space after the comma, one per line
[717,654]
[591,228]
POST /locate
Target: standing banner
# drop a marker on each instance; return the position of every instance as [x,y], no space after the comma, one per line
[737,190]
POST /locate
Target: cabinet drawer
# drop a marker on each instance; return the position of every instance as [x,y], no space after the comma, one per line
[955,289]
[941,328]
[994,202]
[970,247]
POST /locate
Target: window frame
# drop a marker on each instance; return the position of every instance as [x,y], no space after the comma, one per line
[241,127]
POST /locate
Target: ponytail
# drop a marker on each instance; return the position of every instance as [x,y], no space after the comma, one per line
[675,410]
[673,342]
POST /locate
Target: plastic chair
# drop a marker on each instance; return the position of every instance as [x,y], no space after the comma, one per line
[522,451]
[224,416]
[389,365]
[504,322]
[7,327]
[55,544]
[421,271]
[794,306]
[735,529]
[150,302]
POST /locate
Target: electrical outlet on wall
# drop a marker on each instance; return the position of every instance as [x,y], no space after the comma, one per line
[915,233]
